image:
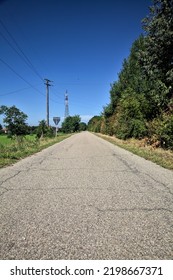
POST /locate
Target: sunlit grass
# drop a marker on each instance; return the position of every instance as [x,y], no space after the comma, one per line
[12,150]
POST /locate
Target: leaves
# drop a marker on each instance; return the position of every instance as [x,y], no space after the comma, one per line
[158,55]
[141,100]
[15,120]
[71,124]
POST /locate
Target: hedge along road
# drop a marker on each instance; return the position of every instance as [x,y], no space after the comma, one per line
[85,198]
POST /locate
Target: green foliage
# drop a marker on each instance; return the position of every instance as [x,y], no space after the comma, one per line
[166,135]
[115,94]
[1,132]
[161,130]
[130,119]
[158,46]
[157,58]
[108,110]
[82,126]
[50,132]
[125,115]
[43,130]
[14,120]
[71,124]
[141,101]
[94,124]
[131,74]
[11,151]
[32,129]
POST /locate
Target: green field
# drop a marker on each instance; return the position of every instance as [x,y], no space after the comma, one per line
[4,140]
[12,150]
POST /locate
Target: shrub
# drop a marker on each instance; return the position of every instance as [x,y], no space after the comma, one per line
[161,129]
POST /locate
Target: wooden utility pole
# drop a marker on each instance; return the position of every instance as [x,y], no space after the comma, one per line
[47,83]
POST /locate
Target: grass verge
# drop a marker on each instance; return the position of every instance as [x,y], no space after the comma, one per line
[160,156]
[12,151]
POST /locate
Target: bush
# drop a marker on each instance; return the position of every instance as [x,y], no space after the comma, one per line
[94,124]
[161,129]
[71,124]
[129,120]
[44,131]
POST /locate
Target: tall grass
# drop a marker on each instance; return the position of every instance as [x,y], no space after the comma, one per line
[12,150]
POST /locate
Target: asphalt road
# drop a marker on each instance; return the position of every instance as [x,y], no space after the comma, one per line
[85,198]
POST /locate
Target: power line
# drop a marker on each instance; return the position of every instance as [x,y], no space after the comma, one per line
[5,63]
[15,91]
[24,57]
[56,93]
[28,64]
[30,85]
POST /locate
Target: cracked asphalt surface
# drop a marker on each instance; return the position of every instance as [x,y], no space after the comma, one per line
[85,198]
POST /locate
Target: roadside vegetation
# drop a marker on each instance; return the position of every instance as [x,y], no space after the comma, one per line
[141,100]
[73,124]
[12,150]
[19,140]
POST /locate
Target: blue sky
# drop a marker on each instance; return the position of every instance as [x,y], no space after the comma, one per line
[79,45]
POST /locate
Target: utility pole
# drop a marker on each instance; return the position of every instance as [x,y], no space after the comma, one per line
[47,83]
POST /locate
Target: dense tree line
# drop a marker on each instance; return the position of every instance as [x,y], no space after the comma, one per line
[141,101]
[73,124]
[15,121]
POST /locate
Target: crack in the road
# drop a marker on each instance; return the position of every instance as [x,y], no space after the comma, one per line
[136,172]
[132,209]
[41,161]
[158,182]
[60,169]
[69,169]
[80,168]
[11,177]
[132,168]
[66,188]
[164,212]
[3,190]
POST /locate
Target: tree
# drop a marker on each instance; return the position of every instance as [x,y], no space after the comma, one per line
[43,130]
[15,120]
[82,126]
[141,101]
[94,124]
[1,129]
[32,129]
[157,57]
[125,115]
[71,124]
[130,120]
